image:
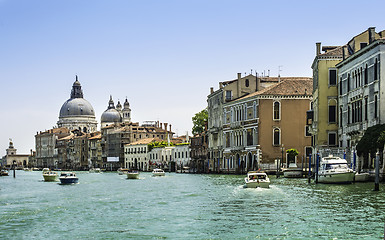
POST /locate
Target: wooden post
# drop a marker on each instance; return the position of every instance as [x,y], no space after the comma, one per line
[316,168]
[309,173]
[277,173]
[377,171]
[14,169]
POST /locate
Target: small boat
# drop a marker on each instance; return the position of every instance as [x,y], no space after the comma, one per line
[4,172]
[293,171]
[133,174]
[335,170]
[95,170]
[157,172]
[122,171]
[361,177]
[256,179]
[68,178]
[27,169]
[49,176]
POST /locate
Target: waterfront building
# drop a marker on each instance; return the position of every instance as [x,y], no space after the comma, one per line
[77,112]
[46,147]
[324,124]
[228,91]
[11,157]
[199,152]
[361,101]
[182,156]
[260,126]
[137,156]
[95,150]
[116,136]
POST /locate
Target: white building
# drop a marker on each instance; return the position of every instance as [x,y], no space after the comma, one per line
[182,156]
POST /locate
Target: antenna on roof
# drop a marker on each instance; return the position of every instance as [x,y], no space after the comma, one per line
[279,73]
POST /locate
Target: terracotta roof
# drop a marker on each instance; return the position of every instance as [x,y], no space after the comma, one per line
[336,52]
[144,141]
[288,86]
[97,136]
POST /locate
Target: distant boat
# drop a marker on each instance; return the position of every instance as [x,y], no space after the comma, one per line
[95,170]
[68,178]
[4,172]
[158,172]
[122,171]
[133,174]
[27,169]
[335,170]
[293,171]
[49,176]
[256,179]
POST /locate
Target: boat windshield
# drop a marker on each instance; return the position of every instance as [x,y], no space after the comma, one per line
[252,177]
[336,166]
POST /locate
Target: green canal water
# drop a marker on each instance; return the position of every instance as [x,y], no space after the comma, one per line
[184,206]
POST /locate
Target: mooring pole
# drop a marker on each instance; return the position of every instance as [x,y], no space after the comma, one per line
[309,173]
[316,168]
[377,177]
[14,169]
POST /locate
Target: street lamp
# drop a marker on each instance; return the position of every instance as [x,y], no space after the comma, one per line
[282,148]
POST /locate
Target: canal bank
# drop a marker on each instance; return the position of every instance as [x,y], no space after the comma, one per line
[189,206]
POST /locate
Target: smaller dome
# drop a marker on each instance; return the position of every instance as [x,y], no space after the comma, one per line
[111,115]
[126,103]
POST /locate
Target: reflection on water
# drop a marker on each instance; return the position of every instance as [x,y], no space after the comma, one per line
[187,206]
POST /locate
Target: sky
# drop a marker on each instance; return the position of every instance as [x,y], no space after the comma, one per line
[162,55]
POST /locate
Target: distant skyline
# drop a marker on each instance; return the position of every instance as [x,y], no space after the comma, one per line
[162,55]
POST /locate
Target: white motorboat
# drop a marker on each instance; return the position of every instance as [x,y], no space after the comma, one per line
[95,170]
[122,171]
[68,178]
[49,176]
[361,177]
[157,172]
[133,174]
[256,179]
[335,170]
[293,171]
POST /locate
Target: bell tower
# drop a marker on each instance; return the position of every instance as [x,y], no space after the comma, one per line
[126,112]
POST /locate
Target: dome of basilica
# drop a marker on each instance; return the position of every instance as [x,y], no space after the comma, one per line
[111,115]
[76,107]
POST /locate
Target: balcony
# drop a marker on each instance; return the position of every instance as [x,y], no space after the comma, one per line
[354,128]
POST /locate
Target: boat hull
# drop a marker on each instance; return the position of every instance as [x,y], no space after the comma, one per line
[346,177]
[158,174]
[69,180]
[50,178]
[256,184]
[132,175]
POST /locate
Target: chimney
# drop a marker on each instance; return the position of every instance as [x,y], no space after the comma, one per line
[343,53]
[239,76]
[161,125]
[211,90]
[170,127]
[257,82]
[165,126]
[238,86]
[372,34]
[220,85]
[318,48]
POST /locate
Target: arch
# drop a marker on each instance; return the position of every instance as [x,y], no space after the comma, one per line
[276,136]
[250,161]
[276,110]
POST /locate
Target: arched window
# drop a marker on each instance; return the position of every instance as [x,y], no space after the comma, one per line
[366,74]
[276,137]
[375,69]
[276,111]
[375,106]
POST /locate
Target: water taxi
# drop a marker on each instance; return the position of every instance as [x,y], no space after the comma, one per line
[335,170]
[68,178]
[133,174]
[157,172]
[49,176]
[122,171]
[256,179]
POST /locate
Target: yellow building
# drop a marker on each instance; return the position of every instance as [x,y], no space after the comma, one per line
[325,94]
